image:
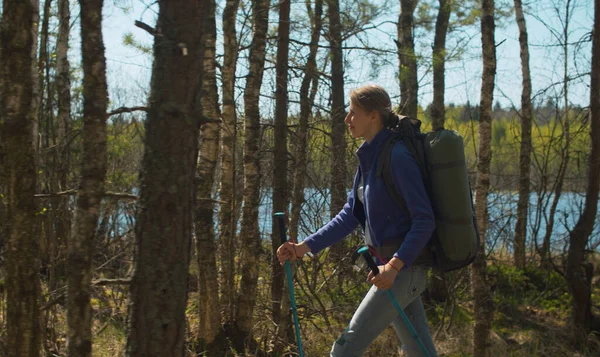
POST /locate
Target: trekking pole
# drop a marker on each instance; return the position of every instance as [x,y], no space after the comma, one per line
[288,271]
[364,251]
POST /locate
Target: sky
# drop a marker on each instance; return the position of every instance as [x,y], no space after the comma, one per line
[129,70]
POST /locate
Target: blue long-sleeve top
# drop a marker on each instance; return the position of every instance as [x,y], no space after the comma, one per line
[386,220]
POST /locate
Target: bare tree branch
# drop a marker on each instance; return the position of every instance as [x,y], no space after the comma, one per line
[151,30]
[127,110]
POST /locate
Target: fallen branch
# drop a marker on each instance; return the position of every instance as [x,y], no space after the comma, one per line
[106,282]
[116,195]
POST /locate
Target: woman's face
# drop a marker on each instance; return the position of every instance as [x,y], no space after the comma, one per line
[360,122]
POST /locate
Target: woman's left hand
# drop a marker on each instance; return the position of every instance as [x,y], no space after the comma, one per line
[385,279]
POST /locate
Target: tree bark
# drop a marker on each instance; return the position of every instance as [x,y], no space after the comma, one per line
[34,67]
[437,286]
[439,64]
[525,151]
[42,89]
[227,217]
[60,214]
[250,237]
[579,276]
[159,286]
[483,303]
[63,80]
[280,199]
[338,114]
[91,184]
[16,99]
[208,288]
[409,85]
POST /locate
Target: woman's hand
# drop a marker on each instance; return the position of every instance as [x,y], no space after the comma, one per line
[291,251]
[387,274]
[385,279]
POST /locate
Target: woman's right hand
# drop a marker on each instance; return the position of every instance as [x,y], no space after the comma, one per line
[291,251]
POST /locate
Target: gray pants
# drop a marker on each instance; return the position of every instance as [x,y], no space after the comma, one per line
[376,312]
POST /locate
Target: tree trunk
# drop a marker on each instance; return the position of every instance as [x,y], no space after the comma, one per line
[484,305]
[208,288]
[250,235]
[58,219]
[43,255]
[34,67]
[338,114]
[91,185]
[280,200]
[579,277]
[409,85]
[227,217]
[41,79]
[525,151]
[159,286]
[439,63]
[63,81]
[16,98]
[38,107]
[558,187]
[63,87]
[437,286]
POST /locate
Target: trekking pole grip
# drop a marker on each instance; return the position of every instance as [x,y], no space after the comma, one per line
[280,219]
[364,251]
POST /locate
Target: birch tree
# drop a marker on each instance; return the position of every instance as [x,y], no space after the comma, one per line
[483,304]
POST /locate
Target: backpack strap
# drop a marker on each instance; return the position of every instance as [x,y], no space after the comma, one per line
[410,130]
[407,130]
[384,171]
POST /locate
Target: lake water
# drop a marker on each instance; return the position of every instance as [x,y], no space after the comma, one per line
[502,212]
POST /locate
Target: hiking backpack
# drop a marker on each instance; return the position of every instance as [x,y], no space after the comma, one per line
[441,159]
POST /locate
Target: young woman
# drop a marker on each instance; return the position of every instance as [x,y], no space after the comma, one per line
[398,238]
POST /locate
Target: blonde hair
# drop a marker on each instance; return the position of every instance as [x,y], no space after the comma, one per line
[373,97]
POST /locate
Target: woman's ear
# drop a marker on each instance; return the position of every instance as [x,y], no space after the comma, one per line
[374,115]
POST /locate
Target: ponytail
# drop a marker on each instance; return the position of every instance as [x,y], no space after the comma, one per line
[393,121]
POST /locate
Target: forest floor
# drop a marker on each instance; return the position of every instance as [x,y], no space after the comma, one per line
[531,319]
